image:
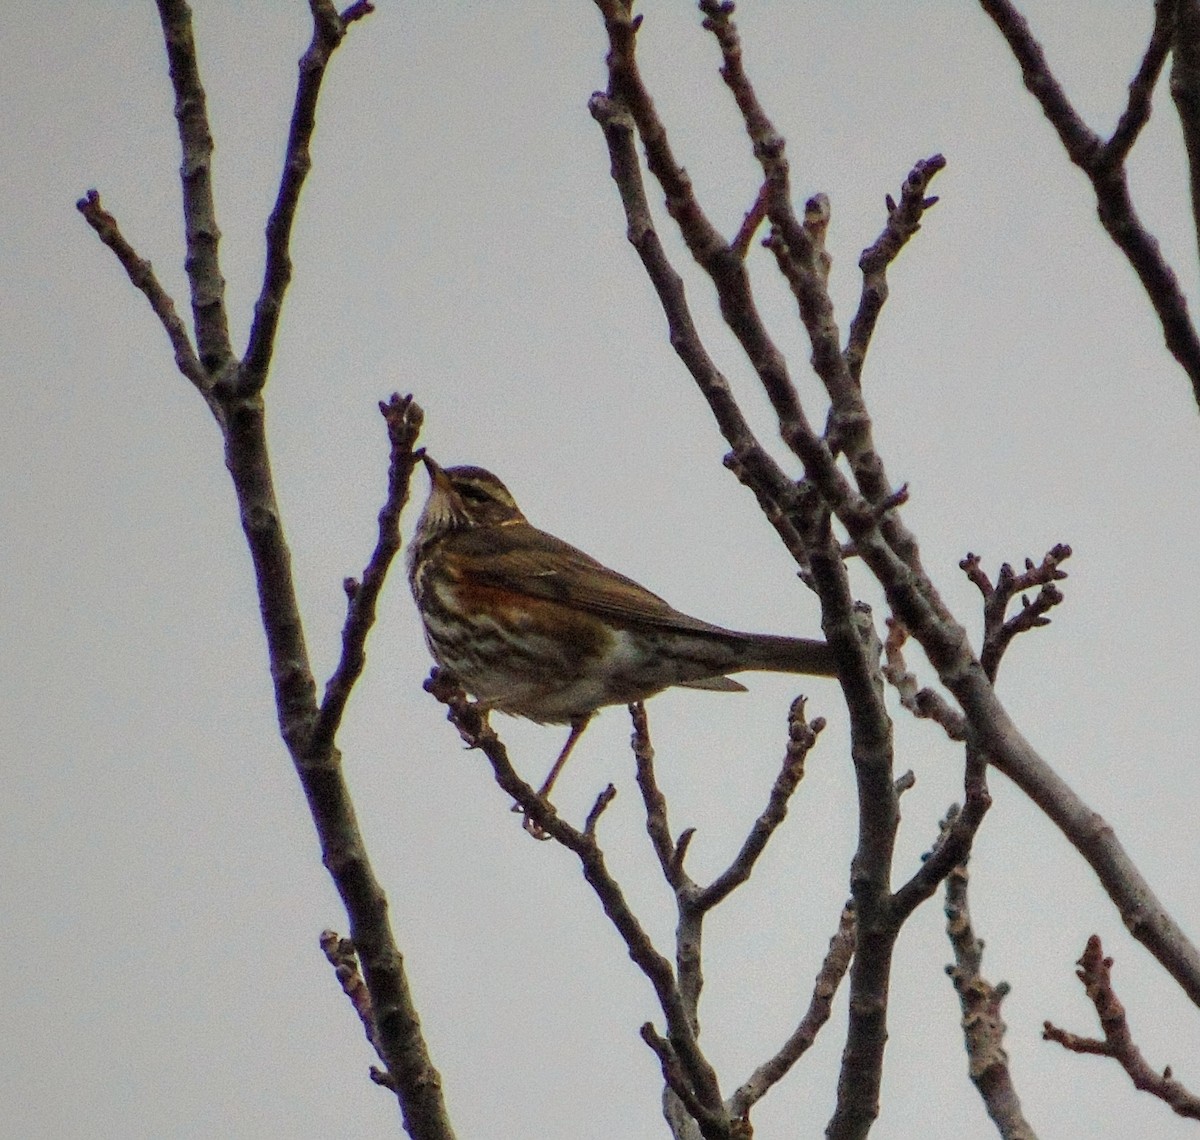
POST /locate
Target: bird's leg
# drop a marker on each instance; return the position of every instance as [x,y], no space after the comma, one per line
[578,724]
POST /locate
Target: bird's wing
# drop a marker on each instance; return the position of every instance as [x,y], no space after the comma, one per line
[524,560]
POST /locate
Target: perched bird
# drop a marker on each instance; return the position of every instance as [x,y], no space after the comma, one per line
[535,628]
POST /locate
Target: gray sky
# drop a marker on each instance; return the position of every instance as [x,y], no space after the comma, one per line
[460,238]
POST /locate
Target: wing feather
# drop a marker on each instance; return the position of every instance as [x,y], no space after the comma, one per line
[524,560]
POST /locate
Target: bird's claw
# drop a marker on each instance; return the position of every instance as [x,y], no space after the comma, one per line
[530,824]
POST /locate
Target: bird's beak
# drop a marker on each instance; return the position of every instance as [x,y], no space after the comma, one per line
[443,497]
[438,480]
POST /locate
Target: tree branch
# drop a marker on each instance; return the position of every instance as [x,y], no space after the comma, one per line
[983,1027]
[341,955]
[802,736]
[924,703]
[1095,971]
[403,418]
[477,733]
[1141,88]
[714,1125]
[202,234]
[750,461]
[999,630]
[903,222]
[669,854]
[829,977]
[953,846]
[1185,92]
[307,732]
[328,30]
[141,275]
[1103,162]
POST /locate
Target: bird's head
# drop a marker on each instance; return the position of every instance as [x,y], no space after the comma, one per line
[461,498]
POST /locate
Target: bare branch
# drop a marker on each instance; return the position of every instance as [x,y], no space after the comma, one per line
[141,275]
[328,30]
[903,222]
[775,514]
[953,846]
[472,725]
[754,218]
[983,1027]
[1103,163]
[670,854]
[1141,88]
[924,703]
[755,467]
[829,977]
[199,213]
[713,1125]
[1185,92]
[794,245]
[605,798]
[802,736]
[778,495]
[851,633]
[1081,143]
[627,93]
[342,957]
[999,630]
[404,419]
[397,1031]
[1095,971]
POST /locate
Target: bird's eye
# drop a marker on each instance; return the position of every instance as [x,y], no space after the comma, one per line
[473,493]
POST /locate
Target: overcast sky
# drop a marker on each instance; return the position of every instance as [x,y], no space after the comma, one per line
[460,238]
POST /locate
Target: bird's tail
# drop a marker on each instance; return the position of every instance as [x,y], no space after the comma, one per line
[785,655]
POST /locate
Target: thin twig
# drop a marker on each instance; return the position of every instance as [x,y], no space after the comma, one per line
[341,955]
[403,418]
[903,221]
[329,28]
[802,736]
[1095,972]
[1141,87]
[753,219]
[669,854]
[1103,162]
[829,977]
[778,495]
[925,703]
[998,629]
[202,234]
[141,275]
[714,1124]
[956,836]
[983,1027]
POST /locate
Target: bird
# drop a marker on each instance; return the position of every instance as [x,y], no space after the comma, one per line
[531,626]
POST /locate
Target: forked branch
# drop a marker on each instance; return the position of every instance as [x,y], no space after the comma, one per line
[233,391]
[1103,160]
[1095,972]
[881,540]
[681,1047]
